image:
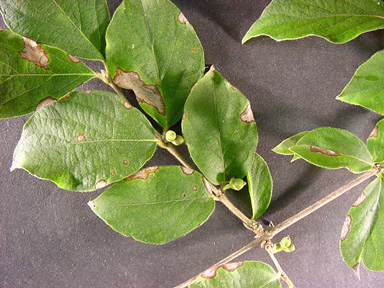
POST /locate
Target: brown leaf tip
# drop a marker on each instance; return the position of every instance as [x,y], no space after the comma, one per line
[346,228]
[356,270]
[101,184]
[360,200]
[45,102]
[91,204]
[34,53]
[187,171]
[182,19]
[73,59]
[375,132]
[81,137]
[324,151]
[230,267]
[142,174]
[247,115]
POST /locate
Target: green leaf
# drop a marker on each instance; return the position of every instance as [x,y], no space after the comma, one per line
[153,50]
[85,142]
[76,26]
[156,205]
[219,129]
[259,186]
[375,142]
[366,88]
[30,73]
[239,275]
[362,236]
[336,21]
[334,148]
[283,147]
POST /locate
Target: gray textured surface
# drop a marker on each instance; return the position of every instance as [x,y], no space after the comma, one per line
[50,238]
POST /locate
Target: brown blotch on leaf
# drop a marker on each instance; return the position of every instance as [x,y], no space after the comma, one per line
[45,102]
[374,133]
[101,184]
[145,93]
[126,105]
[209,273]
[360,200]
[73,59]
[194,188]
[185,116]
[91,204]
[324,151]
[184,195]
[143,174]
[247,115]
[187,171]
[125,162]
[346,227]
[230,267]
[113,173]
[69,95]
[81,137]
[182,19]
[356,270]
[194,50]
[88,92]
[34,53]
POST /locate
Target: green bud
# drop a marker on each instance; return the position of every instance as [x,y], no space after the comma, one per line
[291,248]
[286,242]
[178,141]
[170,136]
[276,248]
[236,184]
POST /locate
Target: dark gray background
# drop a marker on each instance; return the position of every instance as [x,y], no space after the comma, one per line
[50,237]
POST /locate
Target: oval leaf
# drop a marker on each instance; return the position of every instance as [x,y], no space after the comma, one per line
[366,87]
[334,148]
[76,26]
[375,142]
[33,75]
[85,142]
[362,236]
[336,21]
[259,186]
[156,205]
[153,50]
[219,129]
[239,275]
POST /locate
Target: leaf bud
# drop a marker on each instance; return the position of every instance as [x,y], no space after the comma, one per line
[170,135]
[178,141]
[236,184]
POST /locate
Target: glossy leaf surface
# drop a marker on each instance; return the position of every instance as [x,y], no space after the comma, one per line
[156,205]
[219,129]
[336,21]
[153,50]
[362,236]
[240,275]
[259,186]
[76,26]
[30,73]
[85,142]
[366,88]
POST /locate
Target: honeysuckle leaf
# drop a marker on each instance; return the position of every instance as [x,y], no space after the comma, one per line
[336,21]
[85,142]
[259,186]
[153,50]
[362,236]
[366,87]
[156,205]
[334,148]
[219,129]
[375,142]
[239,275]
[283,147]
[76,26]
[33,75]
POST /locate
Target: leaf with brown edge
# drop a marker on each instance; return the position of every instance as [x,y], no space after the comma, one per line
[157,205]
[362,236]
[375,142]
[239,275]
[153,50]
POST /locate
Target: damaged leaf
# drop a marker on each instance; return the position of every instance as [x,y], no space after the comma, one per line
[76,26]
[259,186]
[32,75]
[336,21]
[283,147]
[366,87]
[362,237]
[375,142]
[333,148]
[153,50]
[221,143]
[160,205]
[250,274]
[84,144]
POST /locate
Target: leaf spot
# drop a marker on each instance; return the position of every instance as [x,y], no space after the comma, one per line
[360,200]
[209,273]
[324,151]
[73,59]
[91,204]
[233,87]
[88,92]
[145,93]
[34,53]
[184,195]
[101,184]
[185,116]
[45,102]
[143,174]
[81,137]
[356,270]
[194,50]
[126,105]
[194,188]
[113,173]
[69,95]
[346,227]
[375,132]
[230,267]
[182,19]
[125,162]
[247,115]
[187,171]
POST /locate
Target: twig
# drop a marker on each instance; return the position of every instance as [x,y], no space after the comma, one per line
[284,275]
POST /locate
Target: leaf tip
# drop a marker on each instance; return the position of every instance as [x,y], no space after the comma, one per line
[356,270]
